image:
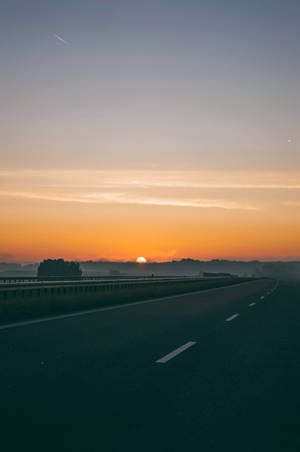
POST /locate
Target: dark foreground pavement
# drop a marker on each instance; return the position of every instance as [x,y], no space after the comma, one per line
[92,383]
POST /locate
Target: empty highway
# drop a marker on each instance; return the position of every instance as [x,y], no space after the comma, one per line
[216,370]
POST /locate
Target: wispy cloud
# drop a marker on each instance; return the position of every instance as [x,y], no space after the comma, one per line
[124,198]
[153,179]
[60,39]
[292,203]
[195,189]
[254,186]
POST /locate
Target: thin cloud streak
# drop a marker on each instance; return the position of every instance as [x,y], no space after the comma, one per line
[213,185]
[121,198]
[151,179]
[292,203]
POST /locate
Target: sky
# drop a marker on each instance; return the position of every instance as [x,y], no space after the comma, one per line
[165,129]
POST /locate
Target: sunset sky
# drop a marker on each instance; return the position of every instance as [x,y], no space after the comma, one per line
[164,129]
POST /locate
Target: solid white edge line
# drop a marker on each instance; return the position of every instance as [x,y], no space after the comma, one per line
[112,308]
[175,352]
[231,317]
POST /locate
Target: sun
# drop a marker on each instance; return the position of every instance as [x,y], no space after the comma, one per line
[141,260]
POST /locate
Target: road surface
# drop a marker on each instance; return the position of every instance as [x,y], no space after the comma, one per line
[208,371]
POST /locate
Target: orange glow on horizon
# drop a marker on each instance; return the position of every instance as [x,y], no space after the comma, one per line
[239,223]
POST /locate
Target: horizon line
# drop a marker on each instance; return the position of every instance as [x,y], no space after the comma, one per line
[105,261]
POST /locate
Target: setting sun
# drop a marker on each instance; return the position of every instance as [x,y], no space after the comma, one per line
[141,260]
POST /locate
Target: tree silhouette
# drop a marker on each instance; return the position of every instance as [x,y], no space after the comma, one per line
[59,268]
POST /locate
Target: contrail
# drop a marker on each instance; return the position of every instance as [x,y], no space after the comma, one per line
[60,38]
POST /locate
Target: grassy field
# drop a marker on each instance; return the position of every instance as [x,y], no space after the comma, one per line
[12,310]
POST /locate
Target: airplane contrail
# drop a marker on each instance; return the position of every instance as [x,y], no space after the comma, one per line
[60,38]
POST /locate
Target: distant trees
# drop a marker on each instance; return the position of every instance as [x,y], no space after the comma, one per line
[58,268]
[278,270]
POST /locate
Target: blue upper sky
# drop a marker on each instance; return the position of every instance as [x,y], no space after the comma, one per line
[158,84]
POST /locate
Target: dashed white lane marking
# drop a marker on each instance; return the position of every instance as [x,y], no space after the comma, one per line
[231,317]
[262,297]
[251,304]
[174,353]
[275,287]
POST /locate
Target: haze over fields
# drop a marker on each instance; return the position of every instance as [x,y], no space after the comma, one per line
[162,129]
[184,267]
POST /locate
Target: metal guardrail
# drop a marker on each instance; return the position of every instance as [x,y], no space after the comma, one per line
[41,282]
[16,282]
[10,279]
[71,288]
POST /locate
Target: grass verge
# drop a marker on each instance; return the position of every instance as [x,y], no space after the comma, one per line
[18,309]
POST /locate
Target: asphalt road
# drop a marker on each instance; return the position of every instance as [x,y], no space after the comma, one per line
[209,371]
